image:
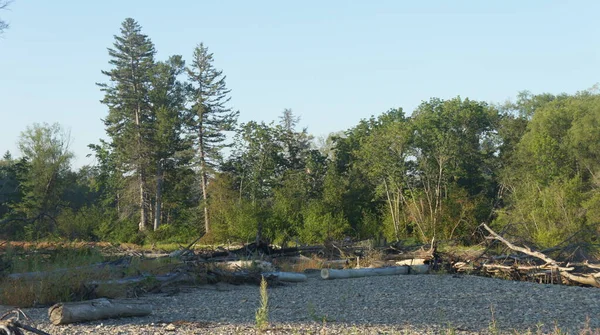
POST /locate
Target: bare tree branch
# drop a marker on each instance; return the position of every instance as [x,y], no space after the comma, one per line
[3,24]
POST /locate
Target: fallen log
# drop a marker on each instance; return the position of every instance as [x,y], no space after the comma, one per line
[168,278]
[37,275]
[356,273]
[292,277]
[98,309]
[412,261]
[585,264]
[421,254]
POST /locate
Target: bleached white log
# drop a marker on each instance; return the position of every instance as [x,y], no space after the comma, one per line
[356,273]
[412,261]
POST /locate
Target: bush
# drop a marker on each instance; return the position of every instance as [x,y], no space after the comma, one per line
[79,225]
[320,224]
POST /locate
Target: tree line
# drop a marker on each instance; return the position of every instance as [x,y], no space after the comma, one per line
[177,165]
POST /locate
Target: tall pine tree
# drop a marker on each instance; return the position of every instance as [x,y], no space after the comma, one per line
[210,118]
[129,120]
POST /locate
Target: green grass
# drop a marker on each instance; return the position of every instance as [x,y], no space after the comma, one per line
[62,274]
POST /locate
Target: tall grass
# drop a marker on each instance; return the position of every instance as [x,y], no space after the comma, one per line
[262,313]
[63,274]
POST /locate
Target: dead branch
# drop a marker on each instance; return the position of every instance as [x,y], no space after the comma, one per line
[13,326]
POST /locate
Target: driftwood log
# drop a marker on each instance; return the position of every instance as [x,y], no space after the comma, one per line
[98,309]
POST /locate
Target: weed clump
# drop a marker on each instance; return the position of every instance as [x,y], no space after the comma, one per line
[262,313]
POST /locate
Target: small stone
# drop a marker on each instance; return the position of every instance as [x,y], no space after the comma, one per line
[170,327]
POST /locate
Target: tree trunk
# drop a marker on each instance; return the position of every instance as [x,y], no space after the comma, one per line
[205,197]
[203,177]
[158,204]
[259,232]
[143,210]
[141,171]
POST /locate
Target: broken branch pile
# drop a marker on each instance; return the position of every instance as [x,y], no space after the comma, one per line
[531,264]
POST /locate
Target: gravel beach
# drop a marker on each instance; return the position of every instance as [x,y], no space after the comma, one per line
[413,304]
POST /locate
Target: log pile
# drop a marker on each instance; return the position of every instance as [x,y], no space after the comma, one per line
[529,264]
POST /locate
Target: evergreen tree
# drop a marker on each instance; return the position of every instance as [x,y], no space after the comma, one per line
[210,117]
[130,119]
[168,101]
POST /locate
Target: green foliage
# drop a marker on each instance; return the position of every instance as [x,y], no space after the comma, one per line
[46,161]
[321,224]
[552,178]
[81,224]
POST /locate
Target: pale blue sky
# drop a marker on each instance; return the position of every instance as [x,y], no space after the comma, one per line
[332,62]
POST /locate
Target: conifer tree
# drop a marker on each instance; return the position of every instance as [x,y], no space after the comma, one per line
[210,117]
[129,120]
[168,101]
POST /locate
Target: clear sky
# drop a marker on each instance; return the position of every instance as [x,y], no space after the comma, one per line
[332,62]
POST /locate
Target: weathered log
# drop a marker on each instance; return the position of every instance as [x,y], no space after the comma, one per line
[98,309]
[586,279]
[287,276]
[169,278]
[585,264]
[113,265]
[356,273]
[524,268]
[463,266]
